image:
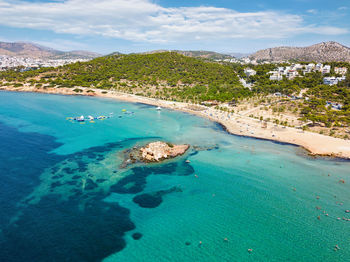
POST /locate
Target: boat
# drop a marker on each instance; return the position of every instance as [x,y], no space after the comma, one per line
[159,108]
[81,119]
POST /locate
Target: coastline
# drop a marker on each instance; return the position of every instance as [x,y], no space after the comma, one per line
[233,123]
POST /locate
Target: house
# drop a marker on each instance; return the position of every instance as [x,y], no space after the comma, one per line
[342,78]
[309,68]
[291,74]
[275,76]
[330,81]
[333,105]
[319,67]
[280,69]
[340,70]
[297,67]
[326,69]
[333,80]
[210,103]
[249,72]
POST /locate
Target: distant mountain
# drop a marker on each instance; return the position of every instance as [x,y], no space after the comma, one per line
[323,52]
[239,55]
[204,54]
[37,51]
[196,54]
[114,53]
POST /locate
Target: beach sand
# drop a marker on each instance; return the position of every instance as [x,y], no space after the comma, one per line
[316,144]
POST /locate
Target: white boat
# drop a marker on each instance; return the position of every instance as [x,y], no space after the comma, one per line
[81,119]
[159,108]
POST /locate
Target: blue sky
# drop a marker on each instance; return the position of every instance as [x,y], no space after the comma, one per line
[127,26]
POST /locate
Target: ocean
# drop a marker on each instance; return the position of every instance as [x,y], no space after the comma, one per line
[64,195]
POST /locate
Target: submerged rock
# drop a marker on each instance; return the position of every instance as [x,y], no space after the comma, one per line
[136,236]
[158,151]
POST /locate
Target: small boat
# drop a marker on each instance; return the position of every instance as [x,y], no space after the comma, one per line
[81,119]
[159,108]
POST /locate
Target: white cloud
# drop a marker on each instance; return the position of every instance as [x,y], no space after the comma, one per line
[143,20]
[312,11]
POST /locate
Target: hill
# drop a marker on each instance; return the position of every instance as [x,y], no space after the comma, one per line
[204,54]
[209,55]
[38,51]
[166,75]
[323,52]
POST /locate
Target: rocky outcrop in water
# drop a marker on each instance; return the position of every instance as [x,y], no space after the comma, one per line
[158,151]
[153,152]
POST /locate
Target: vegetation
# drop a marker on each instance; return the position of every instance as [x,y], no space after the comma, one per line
[172,76]
[165,75]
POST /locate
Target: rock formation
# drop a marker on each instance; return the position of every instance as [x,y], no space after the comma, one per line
[152,152]
[157,151]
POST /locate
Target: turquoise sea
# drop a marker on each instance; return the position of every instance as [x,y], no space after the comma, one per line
[64,196]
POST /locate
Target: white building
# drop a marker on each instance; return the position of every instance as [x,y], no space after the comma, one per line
[249,72]
[333,80]
[297,66]
[291,74]
[326,69]
[319,67]
[330,81]
[280,69]
[275,76]
[309,68]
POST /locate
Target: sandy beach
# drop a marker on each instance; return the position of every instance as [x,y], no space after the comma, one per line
[234,123]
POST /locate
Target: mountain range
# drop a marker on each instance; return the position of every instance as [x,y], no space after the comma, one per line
[37,51]
[322,52]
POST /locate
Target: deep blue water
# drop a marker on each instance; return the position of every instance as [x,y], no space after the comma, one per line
[65,197]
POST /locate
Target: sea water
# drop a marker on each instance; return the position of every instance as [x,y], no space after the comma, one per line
[64,195]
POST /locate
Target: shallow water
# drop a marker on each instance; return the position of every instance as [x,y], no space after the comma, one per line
[64,196]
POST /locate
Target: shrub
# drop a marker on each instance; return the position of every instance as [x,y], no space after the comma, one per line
[77,90]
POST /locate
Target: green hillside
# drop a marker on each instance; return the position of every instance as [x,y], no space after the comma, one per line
[165,75]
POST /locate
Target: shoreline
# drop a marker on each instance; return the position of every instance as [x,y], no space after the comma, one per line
[315,144]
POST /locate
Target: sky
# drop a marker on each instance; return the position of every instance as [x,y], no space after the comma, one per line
[106,26]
